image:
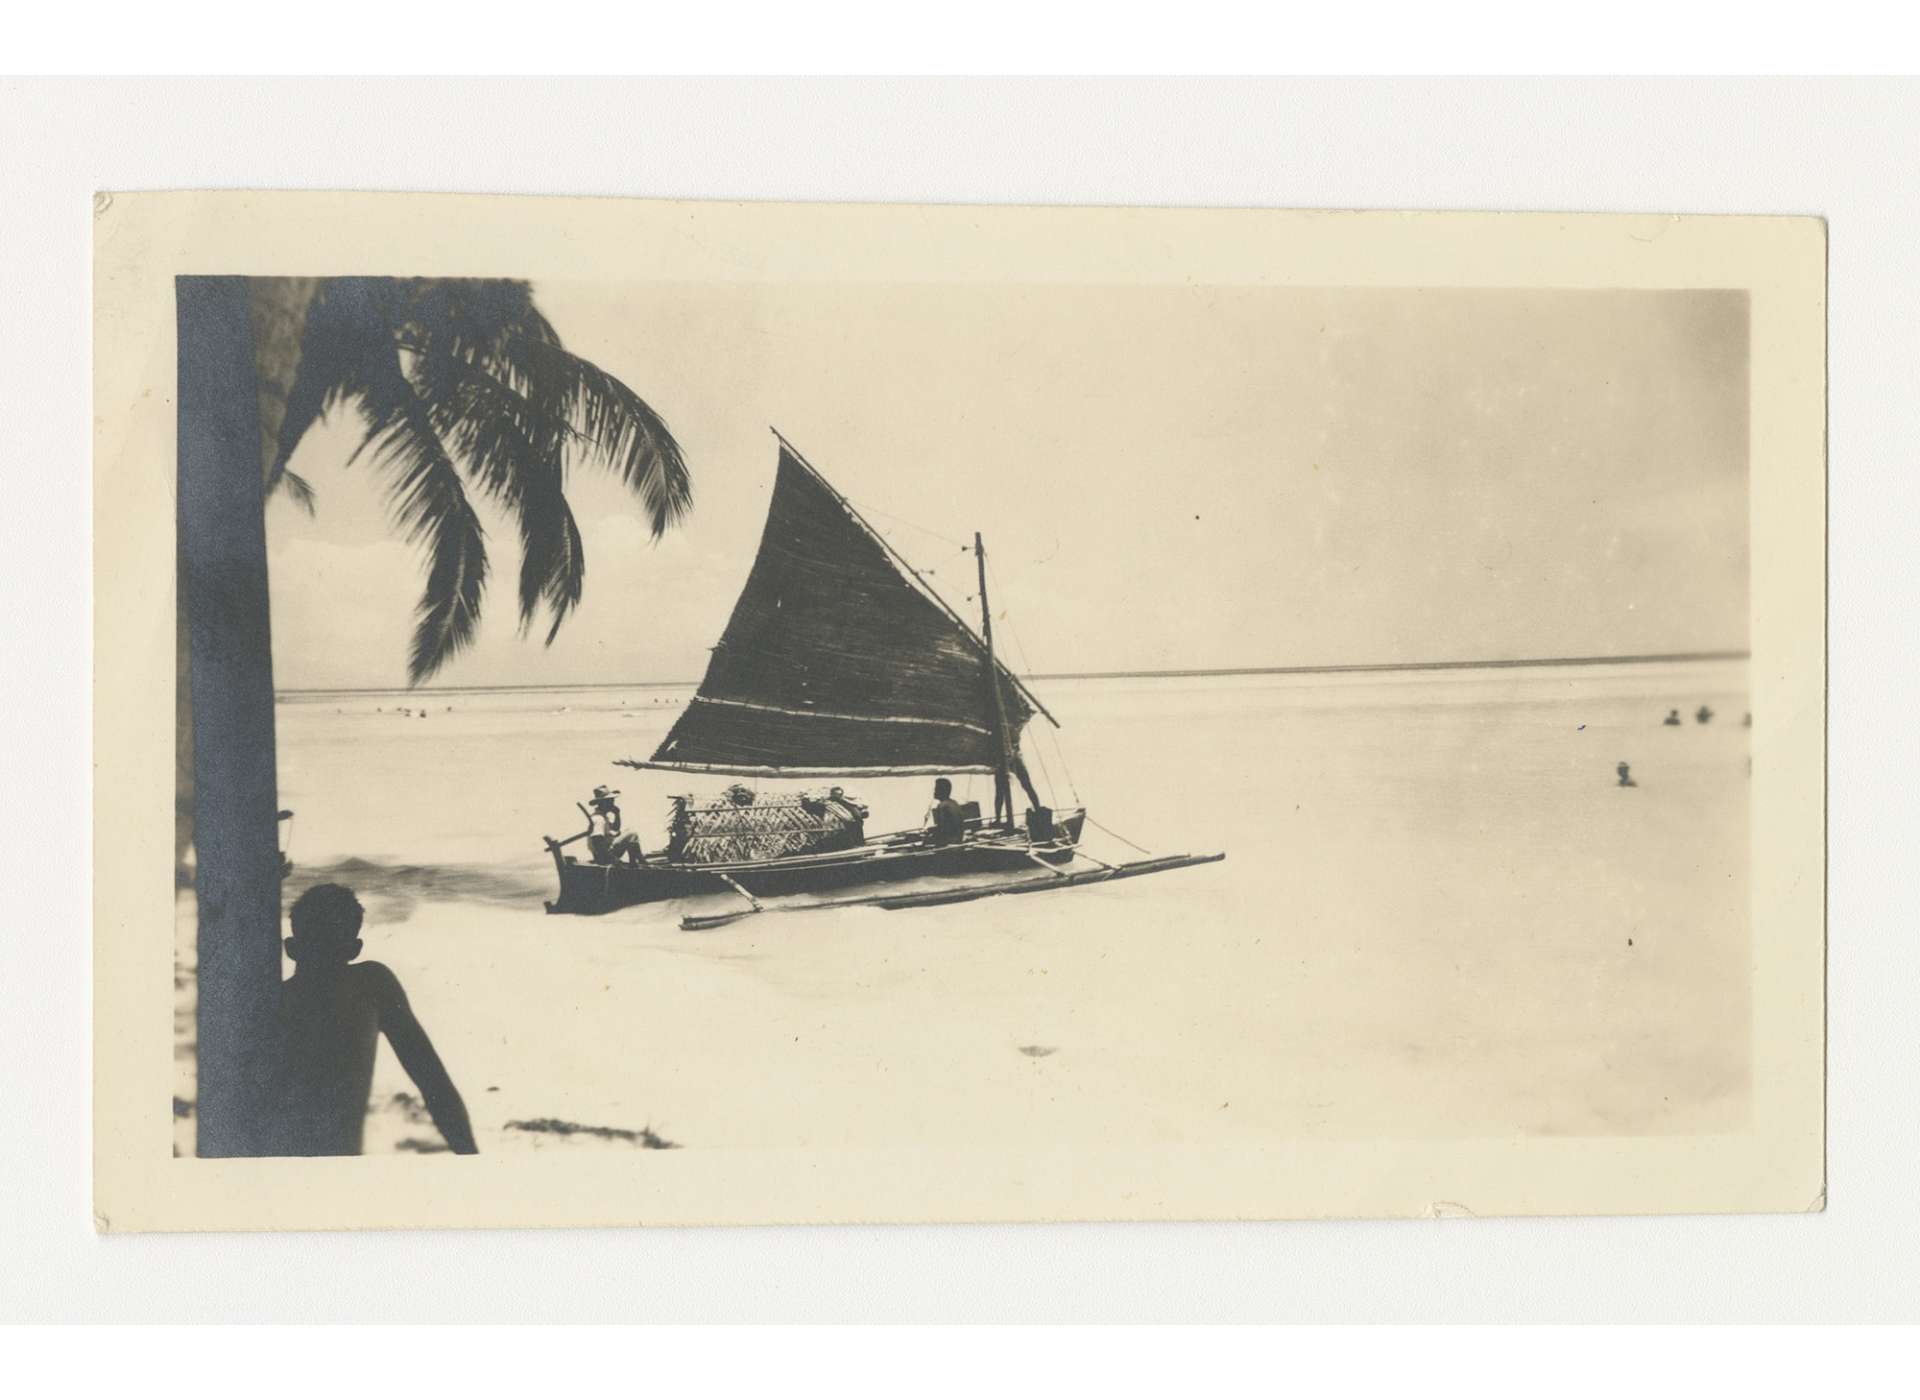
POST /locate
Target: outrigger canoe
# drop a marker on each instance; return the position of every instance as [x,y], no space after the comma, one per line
[589,887]
[839,661]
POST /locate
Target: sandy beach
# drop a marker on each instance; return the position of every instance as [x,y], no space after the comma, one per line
[1439,916]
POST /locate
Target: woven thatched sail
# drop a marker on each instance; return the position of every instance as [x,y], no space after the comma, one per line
[835,662]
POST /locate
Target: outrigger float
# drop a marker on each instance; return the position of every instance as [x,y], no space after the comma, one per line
[840,661]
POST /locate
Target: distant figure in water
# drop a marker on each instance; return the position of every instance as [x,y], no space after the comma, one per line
[1746,720]
[334,1011]
[605,838]
[1626,775]
[948,823]
[1703,714]
[1673,717]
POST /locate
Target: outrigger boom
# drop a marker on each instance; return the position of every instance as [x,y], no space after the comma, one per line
[927,898]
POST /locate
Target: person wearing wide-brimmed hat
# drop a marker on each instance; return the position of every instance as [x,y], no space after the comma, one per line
[605,838]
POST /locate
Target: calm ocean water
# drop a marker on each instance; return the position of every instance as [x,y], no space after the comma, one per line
[479,775]
[1439,914]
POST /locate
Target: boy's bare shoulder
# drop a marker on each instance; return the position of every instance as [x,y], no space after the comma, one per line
[378,981]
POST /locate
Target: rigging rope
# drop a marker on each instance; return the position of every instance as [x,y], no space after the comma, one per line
[1121,839]
[902,520]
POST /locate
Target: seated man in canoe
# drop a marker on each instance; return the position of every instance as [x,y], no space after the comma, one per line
[946,820]
[607,840]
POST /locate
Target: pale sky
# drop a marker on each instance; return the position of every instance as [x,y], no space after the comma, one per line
[1166,477]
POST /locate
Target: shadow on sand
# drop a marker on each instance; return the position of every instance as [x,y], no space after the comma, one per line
[392,892]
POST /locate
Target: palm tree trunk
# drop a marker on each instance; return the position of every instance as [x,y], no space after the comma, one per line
[277,312]
[228,690]
[277,315]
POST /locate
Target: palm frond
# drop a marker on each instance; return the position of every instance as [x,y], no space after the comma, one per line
[297,487]
[449,611]
[554,566]
[517,454]
[430,505]
[344,330]
[465,380]
[460,338]
[505,440]
[616,426]
[470,320]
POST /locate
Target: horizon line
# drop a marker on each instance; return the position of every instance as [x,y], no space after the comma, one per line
[1508,663]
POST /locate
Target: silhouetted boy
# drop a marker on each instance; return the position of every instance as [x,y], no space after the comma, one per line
[334,1010]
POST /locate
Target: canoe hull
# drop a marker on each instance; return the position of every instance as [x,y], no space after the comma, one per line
[589,888]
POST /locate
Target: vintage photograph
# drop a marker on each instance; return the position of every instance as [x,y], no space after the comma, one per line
[683,717]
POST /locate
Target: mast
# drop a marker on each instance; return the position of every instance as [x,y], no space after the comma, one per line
[1002,778]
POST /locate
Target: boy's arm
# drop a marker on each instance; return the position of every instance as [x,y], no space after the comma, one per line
[422,1064]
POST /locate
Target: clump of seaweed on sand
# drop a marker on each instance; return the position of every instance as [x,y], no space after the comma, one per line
[642,1137]
[409,1107]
